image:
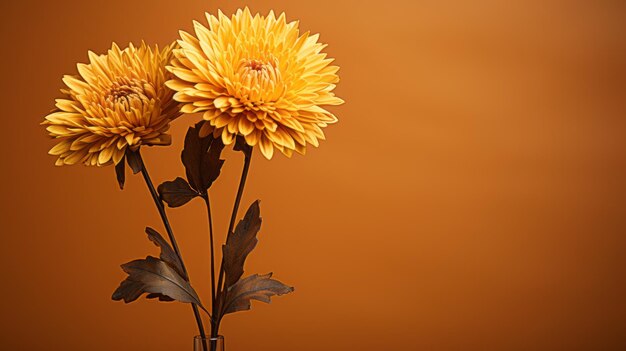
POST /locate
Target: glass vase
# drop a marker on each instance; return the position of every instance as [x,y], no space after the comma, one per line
[208,343]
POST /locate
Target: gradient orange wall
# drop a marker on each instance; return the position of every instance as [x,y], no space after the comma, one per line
[472,196]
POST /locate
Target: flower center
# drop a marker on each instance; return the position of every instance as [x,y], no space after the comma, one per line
[127,93]
[256,65]
[257,81]
[123,92]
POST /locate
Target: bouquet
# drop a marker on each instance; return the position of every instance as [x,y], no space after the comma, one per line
[257,82]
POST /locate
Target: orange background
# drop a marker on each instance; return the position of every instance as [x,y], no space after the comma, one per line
[472,196]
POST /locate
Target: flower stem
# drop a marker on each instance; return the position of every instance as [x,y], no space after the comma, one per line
[221,291]
[208,209]
[170,233]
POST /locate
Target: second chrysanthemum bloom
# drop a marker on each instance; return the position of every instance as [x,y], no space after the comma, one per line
[118,101]
[257,77]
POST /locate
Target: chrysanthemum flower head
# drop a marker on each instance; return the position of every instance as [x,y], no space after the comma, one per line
[256,77]
[118,101]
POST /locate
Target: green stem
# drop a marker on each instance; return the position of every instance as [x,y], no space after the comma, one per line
[159,204]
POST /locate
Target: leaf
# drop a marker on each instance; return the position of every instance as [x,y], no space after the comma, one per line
[254,287]
[167,253]
[135,289]
[201,157]
[120,172]
[154,276]
[240,243]
[161,297]
[177,192]
[134,160]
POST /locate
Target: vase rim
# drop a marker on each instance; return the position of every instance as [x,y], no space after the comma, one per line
[199,337]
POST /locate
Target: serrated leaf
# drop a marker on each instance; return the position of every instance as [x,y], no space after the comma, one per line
[240,243]
[167,253]
[120,172]
[128,290]
[201,158]
[176,192]
[154,276]
[254,287]
[161,297]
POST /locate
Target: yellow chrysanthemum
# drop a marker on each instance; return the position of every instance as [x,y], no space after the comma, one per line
[119,101]
[257,77]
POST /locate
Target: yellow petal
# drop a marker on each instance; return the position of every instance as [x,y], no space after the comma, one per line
[266,147]
[105,155]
